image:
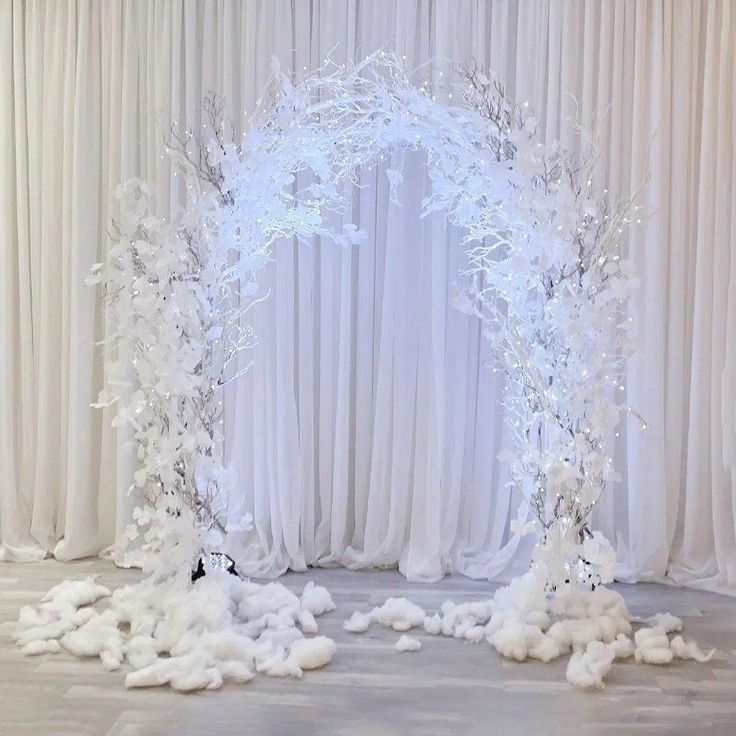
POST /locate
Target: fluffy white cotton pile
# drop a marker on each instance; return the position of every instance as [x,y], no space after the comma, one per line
[399,614]
[189,637]
[587,667]
[654,646]
[689,650]
[521,622]
[407,644]
[40,627]
[358,623]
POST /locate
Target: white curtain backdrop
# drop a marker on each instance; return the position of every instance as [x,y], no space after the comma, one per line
[367,433]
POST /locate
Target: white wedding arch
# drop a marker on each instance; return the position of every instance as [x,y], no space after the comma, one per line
[545,275]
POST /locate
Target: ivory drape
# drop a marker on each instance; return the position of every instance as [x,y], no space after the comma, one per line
[368,430]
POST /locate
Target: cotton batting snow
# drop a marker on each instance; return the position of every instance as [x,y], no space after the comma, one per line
[689,650]
[522,621]
[520,641]
[665,621]
[588,667]
[311,654]
[306,620]
[198,636]
[99,637]
[41,646]
[408,644]
[400,614]
[76,593]
[433,624]
[622,647]
[358,623]
[316,599]
[183,635]
[652,646]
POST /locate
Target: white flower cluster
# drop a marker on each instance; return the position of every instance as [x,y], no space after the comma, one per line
[173,292]
[549,282]
[545,276]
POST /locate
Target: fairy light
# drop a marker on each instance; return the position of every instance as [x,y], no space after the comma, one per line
[542,302]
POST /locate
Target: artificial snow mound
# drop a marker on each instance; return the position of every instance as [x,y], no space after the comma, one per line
[689,650]
[183,635]
[588,667]
[523,622]
[41,646]
[653,646]
[400,614]
[311,654]
[316,599]
[665,621]
[433,624]
[76,593]
[199,636]
[407,644]
[358,623]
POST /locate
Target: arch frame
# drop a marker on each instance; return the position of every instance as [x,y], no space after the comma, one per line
[546,276]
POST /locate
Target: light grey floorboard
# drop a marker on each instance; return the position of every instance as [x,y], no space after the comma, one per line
[449,688]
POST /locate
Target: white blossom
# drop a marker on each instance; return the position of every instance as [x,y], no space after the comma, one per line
[545,275]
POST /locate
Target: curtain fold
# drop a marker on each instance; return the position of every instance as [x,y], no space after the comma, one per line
[368,430]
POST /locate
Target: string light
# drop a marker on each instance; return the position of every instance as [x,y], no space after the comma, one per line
[533,252]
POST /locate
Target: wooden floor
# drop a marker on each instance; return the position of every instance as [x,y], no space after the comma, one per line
[449,688]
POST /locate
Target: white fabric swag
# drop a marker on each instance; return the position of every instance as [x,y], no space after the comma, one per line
[367,433]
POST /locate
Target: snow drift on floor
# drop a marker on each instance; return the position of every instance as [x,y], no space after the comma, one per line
[221,628]
[187,636]
[522,622]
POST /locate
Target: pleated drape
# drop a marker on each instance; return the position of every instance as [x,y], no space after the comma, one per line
[367,433]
